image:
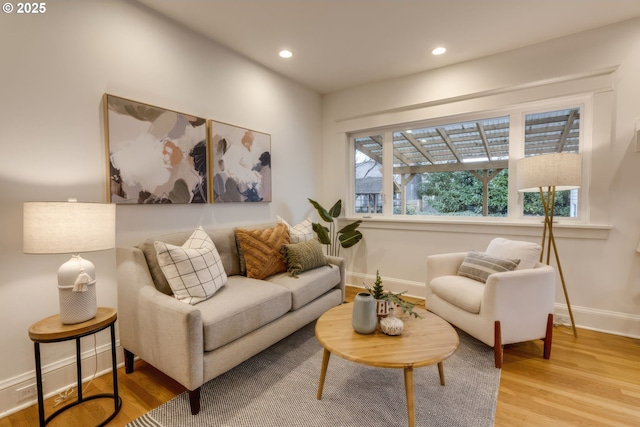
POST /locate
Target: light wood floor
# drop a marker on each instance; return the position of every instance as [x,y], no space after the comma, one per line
[592,380]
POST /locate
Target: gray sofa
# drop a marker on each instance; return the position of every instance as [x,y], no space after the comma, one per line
[195,343]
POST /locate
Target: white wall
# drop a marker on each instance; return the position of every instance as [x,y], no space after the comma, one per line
[600,262]
[55,69]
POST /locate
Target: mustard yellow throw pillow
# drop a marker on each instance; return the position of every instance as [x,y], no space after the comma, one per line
[261,248]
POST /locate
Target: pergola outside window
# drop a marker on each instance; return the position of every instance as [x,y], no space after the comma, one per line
[460,168]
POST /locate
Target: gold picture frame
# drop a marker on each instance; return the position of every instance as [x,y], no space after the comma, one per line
[155,155]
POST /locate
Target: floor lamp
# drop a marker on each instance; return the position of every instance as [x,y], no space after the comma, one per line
[546,174]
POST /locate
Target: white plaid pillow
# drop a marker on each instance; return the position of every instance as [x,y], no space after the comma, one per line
[194,270]
[299,232]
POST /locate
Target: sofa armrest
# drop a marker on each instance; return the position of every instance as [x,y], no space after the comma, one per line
[341,264]
[163,331]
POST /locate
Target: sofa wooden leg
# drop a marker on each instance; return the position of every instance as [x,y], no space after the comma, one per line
[128,361]
[194,401]
[548,337]
[497,344]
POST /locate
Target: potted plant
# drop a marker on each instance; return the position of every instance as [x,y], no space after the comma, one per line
[379,293]
[345,237]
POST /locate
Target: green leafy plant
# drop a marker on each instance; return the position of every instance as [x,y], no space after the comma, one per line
[345,237]
[378,292]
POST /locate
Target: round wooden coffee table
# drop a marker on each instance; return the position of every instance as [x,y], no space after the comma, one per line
[423,342]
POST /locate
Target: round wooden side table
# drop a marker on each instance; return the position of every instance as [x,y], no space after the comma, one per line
[51,329]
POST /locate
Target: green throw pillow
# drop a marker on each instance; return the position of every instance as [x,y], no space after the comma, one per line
[478,266]
[303,256]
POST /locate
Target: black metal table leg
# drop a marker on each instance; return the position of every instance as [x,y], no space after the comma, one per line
[39,384]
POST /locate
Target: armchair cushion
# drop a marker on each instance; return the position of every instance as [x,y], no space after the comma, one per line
[460,291]
[528,253]
[478,266]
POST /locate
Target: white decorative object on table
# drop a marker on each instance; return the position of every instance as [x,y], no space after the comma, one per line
[391,325]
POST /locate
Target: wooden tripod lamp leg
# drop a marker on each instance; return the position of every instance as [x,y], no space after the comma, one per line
[564,286]
[548,206]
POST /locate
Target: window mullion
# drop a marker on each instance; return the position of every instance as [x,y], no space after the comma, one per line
[516,151]
[387,173]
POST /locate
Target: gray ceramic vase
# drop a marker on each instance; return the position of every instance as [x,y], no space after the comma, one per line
[364,318]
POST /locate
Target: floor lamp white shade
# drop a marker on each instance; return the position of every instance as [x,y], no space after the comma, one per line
[550,173]
[560,170]
[71,228]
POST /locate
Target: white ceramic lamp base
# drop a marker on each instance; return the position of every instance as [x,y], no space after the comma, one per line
[77,306]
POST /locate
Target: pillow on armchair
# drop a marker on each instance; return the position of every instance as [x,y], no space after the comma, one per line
[479,266]
[528,253]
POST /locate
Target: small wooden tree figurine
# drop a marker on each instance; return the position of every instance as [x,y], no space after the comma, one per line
[379,293]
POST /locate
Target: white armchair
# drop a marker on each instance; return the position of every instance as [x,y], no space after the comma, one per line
[512,306]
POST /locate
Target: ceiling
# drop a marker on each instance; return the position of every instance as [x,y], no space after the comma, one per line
[339,44]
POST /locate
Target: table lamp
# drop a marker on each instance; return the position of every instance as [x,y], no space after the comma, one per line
[71,228]
[548,173]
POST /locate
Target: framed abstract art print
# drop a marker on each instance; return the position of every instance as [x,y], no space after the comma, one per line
[241,164]
[155,155]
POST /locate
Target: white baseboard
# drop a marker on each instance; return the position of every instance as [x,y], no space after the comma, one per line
[609,322]
[58,376]
[413,289]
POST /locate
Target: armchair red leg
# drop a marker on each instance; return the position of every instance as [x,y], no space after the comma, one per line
[548,337]
[497,344]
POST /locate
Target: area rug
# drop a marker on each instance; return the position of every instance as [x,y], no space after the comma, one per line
[277,388]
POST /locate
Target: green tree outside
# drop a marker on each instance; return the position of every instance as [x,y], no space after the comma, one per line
[460,193]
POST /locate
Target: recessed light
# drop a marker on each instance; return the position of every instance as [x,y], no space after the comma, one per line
[285,53]
[439,50]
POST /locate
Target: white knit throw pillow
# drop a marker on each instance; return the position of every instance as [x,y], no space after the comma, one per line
[301,232]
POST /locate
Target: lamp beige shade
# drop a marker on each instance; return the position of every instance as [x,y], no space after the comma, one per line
[68,227]
[562,170]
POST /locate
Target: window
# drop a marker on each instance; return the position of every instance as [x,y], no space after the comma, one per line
[368,174]
[461,167]
[552,132]
[448,169]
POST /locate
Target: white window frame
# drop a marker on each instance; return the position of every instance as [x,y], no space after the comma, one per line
[517,114]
